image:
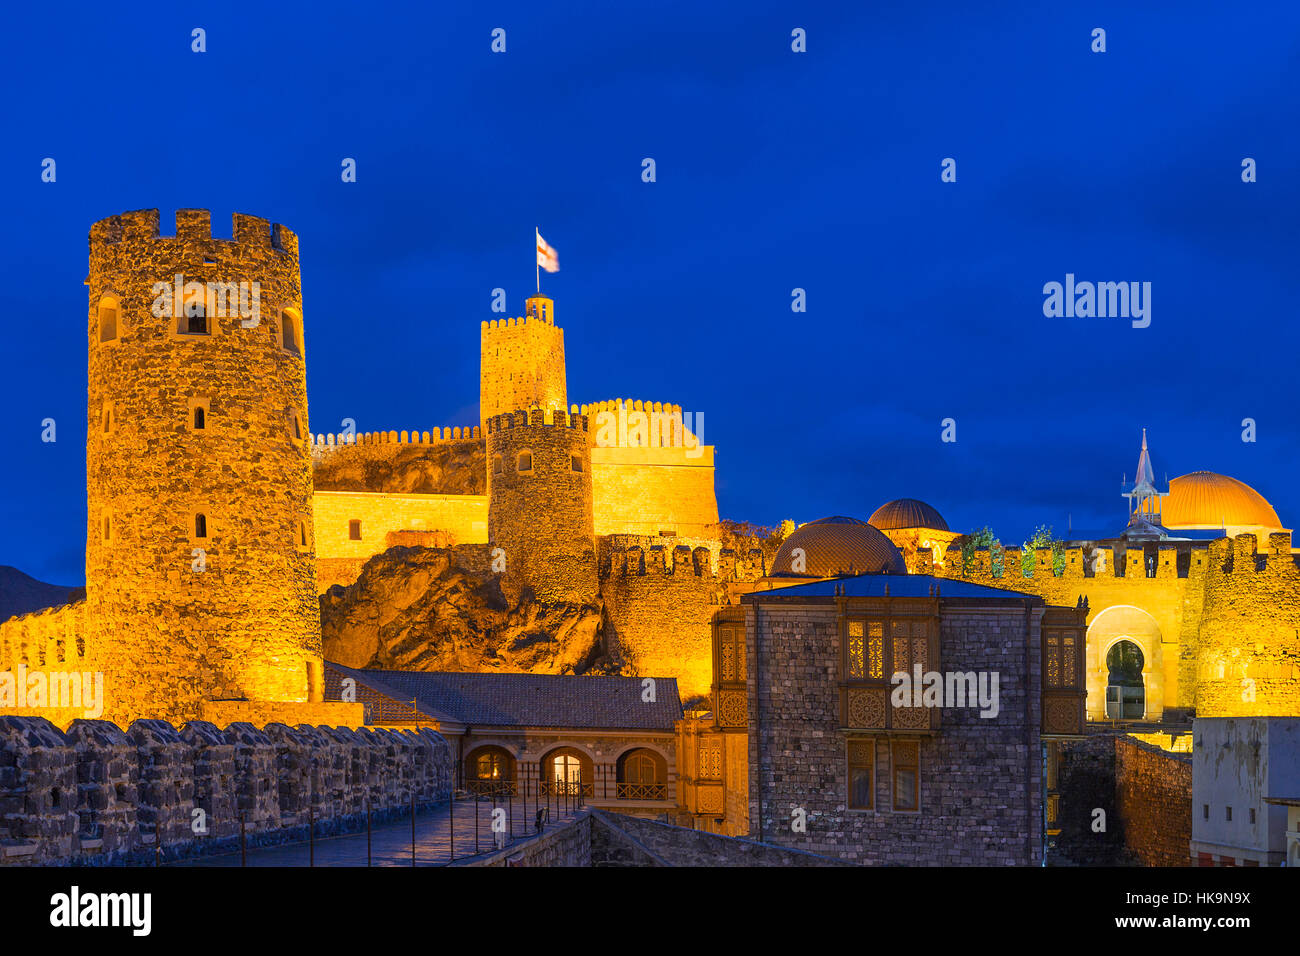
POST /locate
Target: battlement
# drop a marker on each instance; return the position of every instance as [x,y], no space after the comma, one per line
[1163,561]
[193,225]
[536,418]
[721,565]
[613,405]
[433,437]
[523,321]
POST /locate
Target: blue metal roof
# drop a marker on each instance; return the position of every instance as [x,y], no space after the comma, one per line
[899,585]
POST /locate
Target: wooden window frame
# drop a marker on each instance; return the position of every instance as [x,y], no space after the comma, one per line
[895,766]
[851,765]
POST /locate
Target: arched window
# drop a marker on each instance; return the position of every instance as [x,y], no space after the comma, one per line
[200,526]
[354,529]
[642,775]
[567,772]
[200,418]
[108,319]
[490,770]
[524,464]
[291,331]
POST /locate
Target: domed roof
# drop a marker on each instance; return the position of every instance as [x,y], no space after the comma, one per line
[907,513]
[838,545]
[1206,500]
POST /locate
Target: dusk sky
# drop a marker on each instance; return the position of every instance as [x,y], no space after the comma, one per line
[775,170]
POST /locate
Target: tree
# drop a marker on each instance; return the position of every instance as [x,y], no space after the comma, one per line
[1043,538]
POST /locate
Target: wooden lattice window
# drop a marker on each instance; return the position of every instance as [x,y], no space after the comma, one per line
[866,650]
[731,652]
[1060,665]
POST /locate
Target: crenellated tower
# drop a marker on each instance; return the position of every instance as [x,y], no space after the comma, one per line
[540,502]
[199,546]
[522,362]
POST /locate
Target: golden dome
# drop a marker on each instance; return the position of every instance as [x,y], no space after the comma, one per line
[835,546]
[907,513]
[1206,500]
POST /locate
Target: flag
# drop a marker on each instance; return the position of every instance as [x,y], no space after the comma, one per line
[547,257]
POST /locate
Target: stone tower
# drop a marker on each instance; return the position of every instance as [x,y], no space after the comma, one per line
[521,363]
[540,503]
[198,463]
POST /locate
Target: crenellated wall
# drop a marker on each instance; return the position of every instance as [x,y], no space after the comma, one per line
[100,795]
[659,607]
[1215,621]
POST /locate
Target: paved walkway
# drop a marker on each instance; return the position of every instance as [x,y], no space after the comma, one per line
[390,845]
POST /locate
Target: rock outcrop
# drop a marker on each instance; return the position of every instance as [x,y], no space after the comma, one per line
[444,609]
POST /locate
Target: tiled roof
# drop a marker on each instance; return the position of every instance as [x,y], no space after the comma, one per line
[899,585]
[528,700]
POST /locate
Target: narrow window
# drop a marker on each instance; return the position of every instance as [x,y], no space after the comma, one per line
[108,417]
[200,418]
[1229,817]
[1205,812]
[200,526]
[1252,816]
[108,527]
[906,767]
[291,331]
[575,463]
[297,427]
[354,529]
[302,534]
[525,462]
[861,766]
[498,468]
[108,319]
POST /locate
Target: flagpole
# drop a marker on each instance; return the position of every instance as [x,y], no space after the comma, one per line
[537,231]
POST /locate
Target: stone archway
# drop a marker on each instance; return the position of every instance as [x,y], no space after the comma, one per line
[1126,639]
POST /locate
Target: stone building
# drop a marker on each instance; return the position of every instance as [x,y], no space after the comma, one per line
[886,719]
[540,736]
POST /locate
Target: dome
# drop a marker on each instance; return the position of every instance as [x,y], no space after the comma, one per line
[1206,500]
[907,513]
[835,546]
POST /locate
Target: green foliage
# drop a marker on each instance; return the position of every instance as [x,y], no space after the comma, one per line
[983,538]
[1043,538]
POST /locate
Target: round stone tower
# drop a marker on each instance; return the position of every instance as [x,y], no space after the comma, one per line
[539,503]
[199,547]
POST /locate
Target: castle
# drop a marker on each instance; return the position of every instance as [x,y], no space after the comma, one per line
[216,517]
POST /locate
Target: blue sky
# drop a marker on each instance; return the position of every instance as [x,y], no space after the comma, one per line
[775,170]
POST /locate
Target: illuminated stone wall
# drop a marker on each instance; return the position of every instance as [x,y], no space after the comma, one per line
[462,518]
[1248,654]
[248,624]
[659,607]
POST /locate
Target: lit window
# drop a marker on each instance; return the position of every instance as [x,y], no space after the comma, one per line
[108,311]
[291,331]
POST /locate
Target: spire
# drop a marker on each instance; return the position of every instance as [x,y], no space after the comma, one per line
[1144,499]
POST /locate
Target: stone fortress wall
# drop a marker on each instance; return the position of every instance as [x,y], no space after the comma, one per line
[1216,622]
[97,794]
